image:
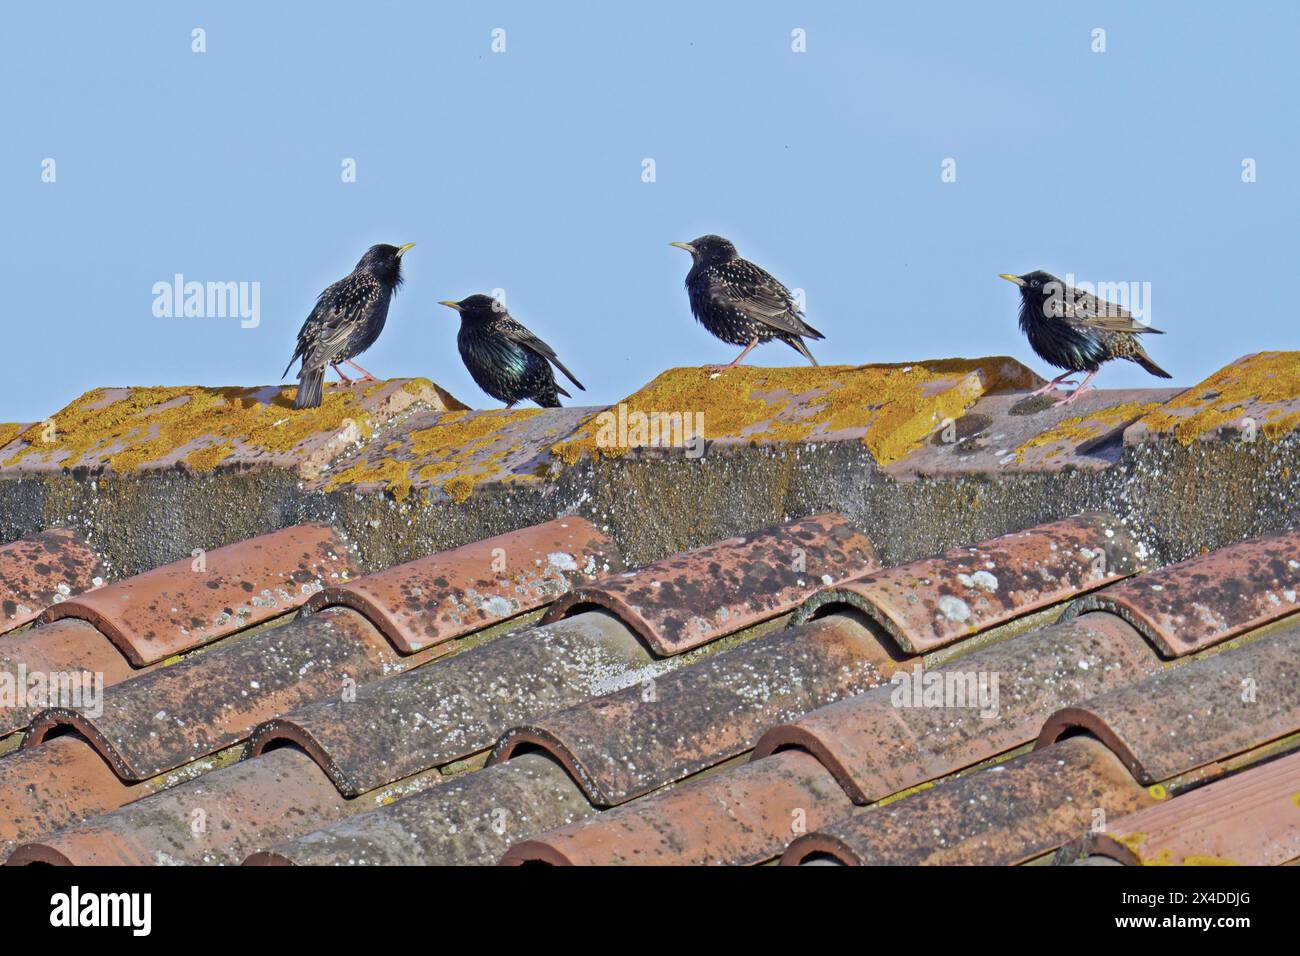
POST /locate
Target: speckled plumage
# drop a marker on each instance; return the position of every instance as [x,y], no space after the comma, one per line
[1077,331]
[740,303]
[506,360]
[347,319]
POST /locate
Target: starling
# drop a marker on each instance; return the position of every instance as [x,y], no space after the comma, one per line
[740,303]
[348,317]
[1077,331]
[504,358]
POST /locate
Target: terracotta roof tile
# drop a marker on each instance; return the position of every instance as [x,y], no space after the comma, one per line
[68,647]
[43,569]
[626,743]
[452,593]
[55,786]
[1007,813]
[470,819]
[1162,735]
[185,604]
[868,746]
[458,706]
[876,748]
[1188,606]
[1251,818]
[745,815]
[926,604]
[1196,715]
[694,597]
[201,821]
[119,631]
[171,716]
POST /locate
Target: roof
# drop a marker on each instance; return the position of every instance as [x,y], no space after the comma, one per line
[883,614]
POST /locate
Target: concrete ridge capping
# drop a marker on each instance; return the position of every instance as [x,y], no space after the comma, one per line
[926,604]
[126,430]
[888,408]
[183,605]
[696,596]
[405,478]
[452,593]
[1202,712]
[1185,607]
[1256,396]
[44,569]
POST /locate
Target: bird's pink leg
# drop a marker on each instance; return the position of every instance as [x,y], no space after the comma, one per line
[342,378]
[1052,385]
[735,361]
[1083,387]
[365,376]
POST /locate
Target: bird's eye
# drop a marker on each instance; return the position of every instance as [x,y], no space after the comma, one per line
[1035,283]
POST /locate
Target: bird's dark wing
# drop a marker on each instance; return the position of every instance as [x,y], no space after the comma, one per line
[1086,309]
[516,332]
[339,312]
[741,283]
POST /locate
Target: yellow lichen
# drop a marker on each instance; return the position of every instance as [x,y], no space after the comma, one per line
[1073,432]
[9,431]
[1264,378]
[205,459]
[893,406]
[148,424]
[448,455]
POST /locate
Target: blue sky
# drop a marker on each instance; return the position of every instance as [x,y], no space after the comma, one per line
[522,171]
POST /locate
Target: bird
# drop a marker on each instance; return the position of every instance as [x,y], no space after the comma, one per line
[740,303]
[347,319]
[1077,331]
[506,360]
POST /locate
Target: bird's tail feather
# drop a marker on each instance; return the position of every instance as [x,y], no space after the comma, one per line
[809,331]
[1145,361]
[796,343]
[311,387]
[569,375]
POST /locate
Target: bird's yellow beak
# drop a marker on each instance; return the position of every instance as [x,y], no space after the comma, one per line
[1010,278]
[401,250]
[683,245]
[449,304]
